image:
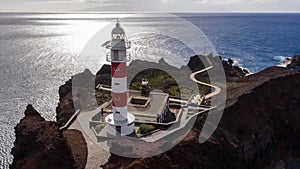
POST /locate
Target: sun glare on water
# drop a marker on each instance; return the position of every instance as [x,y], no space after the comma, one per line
[77,28]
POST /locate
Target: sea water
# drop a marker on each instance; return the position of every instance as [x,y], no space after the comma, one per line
[39,52]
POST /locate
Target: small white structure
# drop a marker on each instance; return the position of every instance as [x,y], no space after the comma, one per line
[119,122]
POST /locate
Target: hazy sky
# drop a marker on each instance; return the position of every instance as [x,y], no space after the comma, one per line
[151,5]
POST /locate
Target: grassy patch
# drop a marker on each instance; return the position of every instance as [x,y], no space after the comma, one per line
[100,127]
[158,79]
[145,128]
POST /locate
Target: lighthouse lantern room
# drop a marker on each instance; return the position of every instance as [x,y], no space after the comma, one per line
[119,122]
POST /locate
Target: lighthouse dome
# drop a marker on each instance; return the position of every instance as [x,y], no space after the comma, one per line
[118,29]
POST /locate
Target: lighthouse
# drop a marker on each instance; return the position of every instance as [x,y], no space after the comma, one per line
[119,122]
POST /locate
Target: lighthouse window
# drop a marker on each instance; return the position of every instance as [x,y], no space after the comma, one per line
[116,69]
[117,112]
[117,98]
[117,83]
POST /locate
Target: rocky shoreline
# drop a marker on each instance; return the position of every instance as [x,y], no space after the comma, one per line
[259,128]
[293,62]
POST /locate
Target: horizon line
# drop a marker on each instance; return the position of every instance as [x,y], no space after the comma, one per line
[151,12]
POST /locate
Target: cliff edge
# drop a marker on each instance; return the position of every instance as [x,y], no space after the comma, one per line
[40,144]
[259,129]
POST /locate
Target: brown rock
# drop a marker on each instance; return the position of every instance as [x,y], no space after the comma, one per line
[78,147]
[66,107]
[294,62]
[40,144]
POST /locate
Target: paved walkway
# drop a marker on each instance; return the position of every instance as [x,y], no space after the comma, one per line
[217,89]
[96,155]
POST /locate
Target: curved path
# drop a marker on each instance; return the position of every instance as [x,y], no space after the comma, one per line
[217,89]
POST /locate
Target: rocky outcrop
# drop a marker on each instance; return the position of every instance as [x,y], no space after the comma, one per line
[230,69]
[78,146]
[259,129]
[103,76]
[40,144]
[69,95]
[294,62]
[65,108]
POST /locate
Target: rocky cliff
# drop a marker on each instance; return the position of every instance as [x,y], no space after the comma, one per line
[40,144]
[259,129]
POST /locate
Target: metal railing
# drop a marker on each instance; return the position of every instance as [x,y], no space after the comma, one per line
[127,45]
[70,121]
[110,59]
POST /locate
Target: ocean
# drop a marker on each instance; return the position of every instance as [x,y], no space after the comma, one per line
[40,51]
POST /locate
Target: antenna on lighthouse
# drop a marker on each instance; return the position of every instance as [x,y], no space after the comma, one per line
[118,23]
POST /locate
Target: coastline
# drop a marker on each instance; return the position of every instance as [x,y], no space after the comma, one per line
[238,90]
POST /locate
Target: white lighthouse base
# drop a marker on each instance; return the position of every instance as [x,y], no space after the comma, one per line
[119,128]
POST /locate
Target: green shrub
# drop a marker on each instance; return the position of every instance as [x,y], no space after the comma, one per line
[145,128]
[99,127]
[174,91]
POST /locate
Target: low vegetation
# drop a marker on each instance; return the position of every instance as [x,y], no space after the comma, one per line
[99,127]
[145,128]
[159,80]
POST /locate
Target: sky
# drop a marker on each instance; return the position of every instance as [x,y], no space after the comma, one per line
[150,6]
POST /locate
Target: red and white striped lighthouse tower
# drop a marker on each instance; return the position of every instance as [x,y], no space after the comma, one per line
[120,122]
